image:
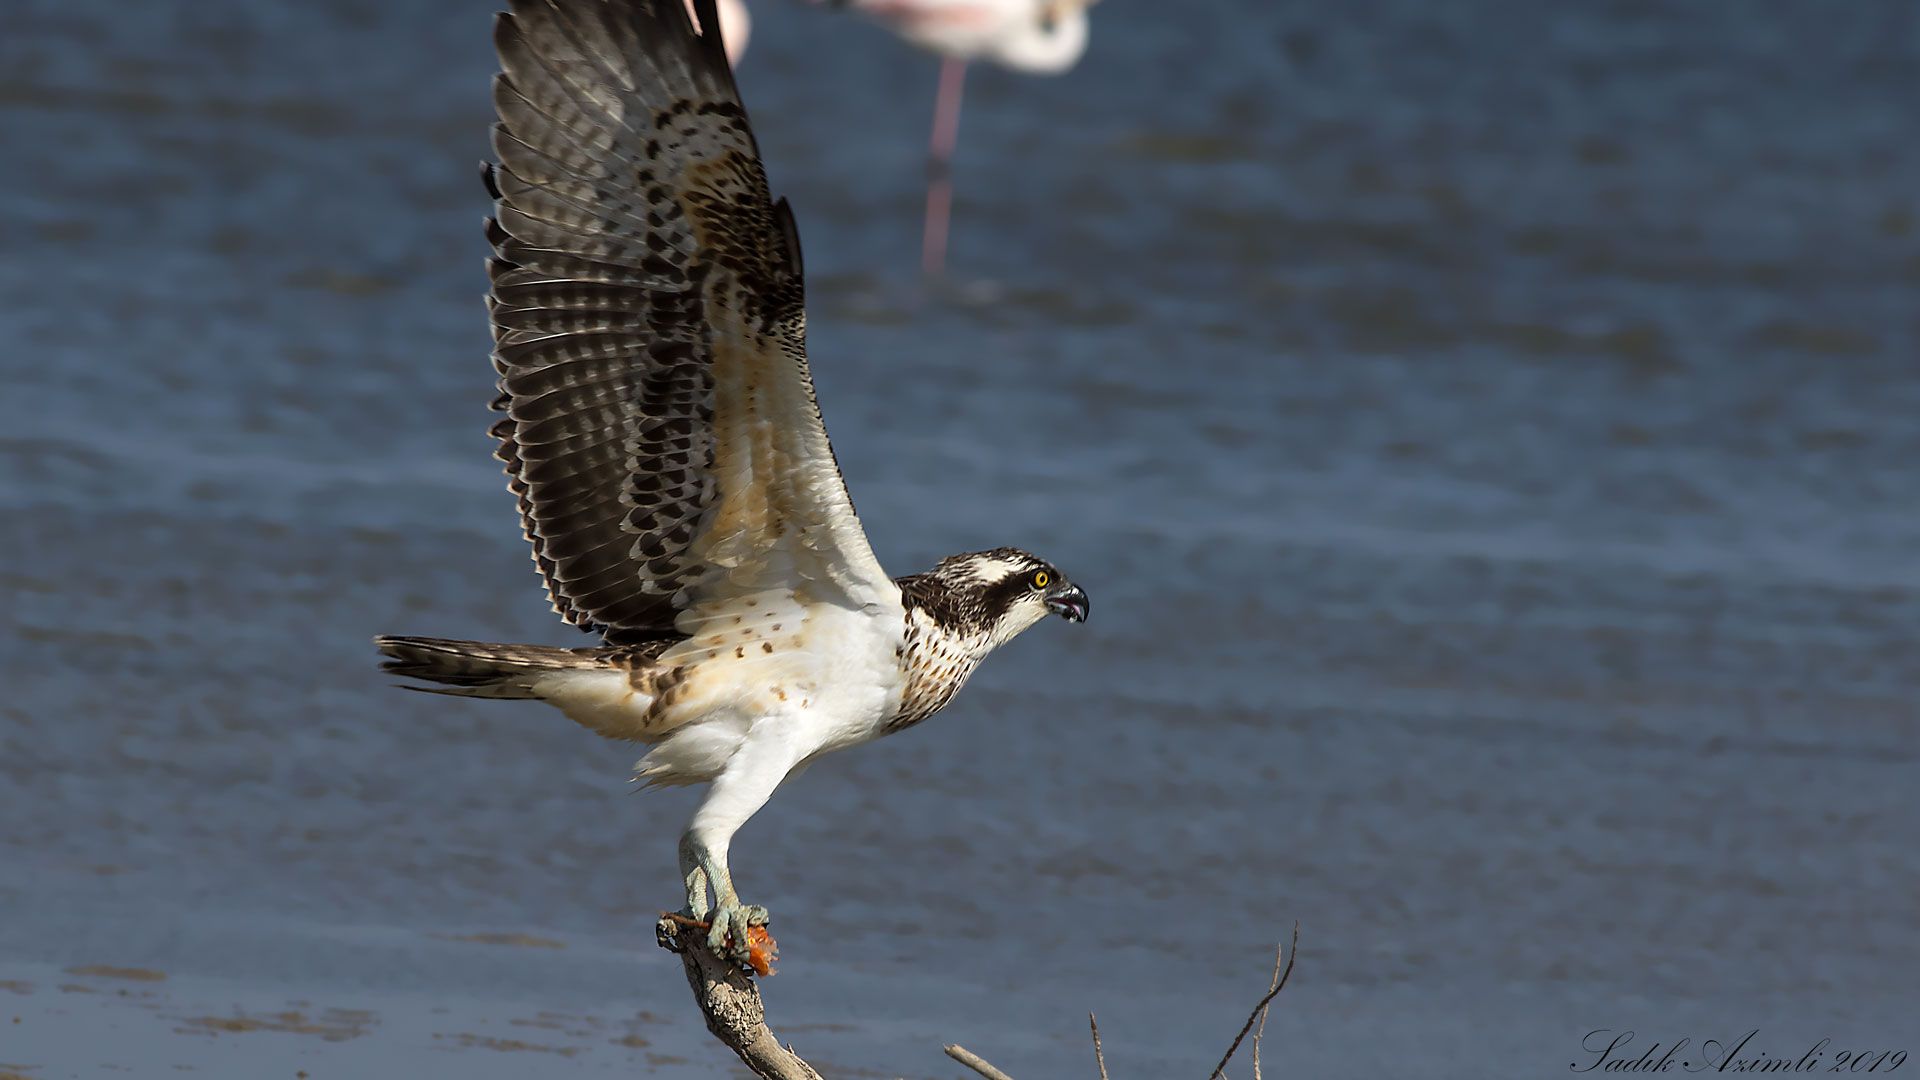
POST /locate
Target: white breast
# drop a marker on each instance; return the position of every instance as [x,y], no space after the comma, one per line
[822,675]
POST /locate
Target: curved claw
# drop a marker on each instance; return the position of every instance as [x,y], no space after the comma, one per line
[729,932]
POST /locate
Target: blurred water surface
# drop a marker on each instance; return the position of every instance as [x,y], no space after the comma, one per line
[1487,431]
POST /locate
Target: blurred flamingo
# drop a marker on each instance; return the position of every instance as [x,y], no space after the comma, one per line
[1041,37]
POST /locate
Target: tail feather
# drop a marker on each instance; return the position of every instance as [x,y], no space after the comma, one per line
[479,669]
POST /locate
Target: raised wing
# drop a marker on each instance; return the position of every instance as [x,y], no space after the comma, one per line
[661,432]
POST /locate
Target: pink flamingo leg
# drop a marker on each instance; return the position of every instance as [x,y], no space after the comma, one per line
[946,133]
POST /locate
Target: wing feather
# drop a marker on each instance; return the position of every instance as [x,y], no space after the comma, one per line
[660,433]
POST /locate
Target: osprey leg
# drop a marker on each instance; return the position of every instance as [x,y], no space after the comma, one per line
[695,875]
[703,862]
[743,787]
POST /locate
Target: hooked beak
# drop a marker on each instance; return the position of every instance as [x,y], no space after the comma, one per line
[1070,603]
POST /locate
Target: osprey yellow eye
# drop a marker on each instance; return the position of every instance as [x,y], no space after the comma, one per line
[1040,579]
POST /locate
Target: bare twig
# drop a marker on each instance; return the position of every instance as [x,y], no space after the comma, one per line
[1259,1009]
[731,1003]
[975,1062]
[1273,986]
[1099,1057]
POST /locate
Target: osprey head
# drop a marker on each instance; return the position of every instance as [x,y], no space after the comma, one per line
[1004,591]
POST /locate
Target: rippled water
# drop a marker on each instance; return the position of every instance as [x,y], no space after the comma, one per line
[1488,432]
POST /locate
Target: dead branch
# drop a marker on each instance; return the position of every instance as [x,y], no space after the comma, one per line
[1273,987]
[975,1062]
[731,1003]
[1259,1016]
[1099,1056]
[1260,1009]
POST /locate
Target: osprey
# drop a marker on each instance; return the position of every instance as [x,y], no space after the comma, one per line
[661,435]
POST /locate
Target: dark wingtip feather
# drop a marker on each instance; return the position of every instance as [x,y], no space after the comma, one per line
[789,237]
[496,234]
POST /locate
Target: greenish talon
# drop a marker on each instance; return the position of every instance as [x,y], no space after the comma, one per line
[727,934]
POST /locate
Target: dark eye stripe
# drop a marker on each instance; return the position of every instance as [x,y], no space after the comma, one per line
[1000,597]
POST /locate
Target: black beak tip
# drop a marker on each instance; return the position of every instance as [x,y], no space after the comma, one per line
[1071,605]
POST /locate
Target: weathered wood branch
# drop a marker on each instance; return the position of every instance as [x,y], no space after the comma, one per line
[731,1004]
[975,1062]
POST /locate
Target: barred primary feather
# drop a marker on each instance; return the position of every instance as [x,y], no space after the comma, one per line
[660,432]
